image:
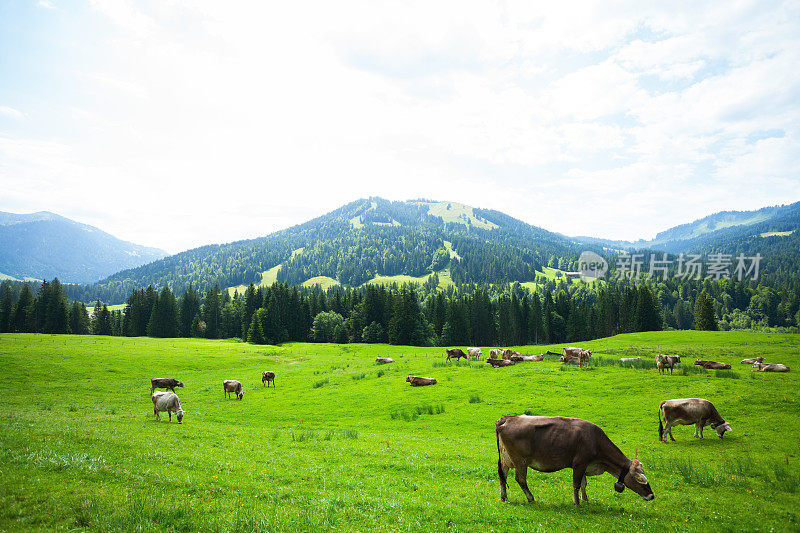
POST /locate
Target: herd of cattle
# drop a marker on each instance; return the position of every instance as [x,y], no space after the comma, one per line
[546,444]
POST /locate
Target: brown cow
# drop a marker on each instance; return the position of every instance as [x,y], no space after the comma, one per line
[455,353]
[687,411]
[569,360]
[549,444]
[267,376]
[770,367]
[508,352]
[499,363]
[164,383]
[419,381]
[752,360]
[666,361]
[496,353]
[582,355]
[231,385]
[521,358]
[474,352]
[712,365]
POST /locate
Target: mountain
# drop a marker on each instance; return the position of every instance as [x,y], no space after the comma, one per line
[715,231]
[359,242]
[45,245]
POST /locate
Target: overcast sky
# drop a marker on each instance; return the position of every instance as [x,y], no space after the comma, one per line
[178,123]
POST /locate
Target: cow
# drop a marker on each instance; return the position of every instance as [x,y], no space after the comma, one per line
[521,358]
[419,381]
[687,411]
[231,385]
[267,376]
[582,355]
[712,365]
[496,353]
[384,360]
[548,352]
[770,367]
[549,444]
[752,360]
[164,383]
[474,352]
[569,360]
[499,363]
[629,359]
[508,352]
[455,353]
[666,361]
[169,402]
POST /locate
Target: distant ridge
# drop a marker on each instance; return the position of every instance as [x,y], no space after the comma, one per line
[45,245]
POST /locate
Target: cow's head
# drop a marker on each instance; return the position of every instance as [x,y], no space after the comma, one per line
[178,383]
[179,415]
[697,361]
[633,477]
[240,394]
[721,428]
[408,378]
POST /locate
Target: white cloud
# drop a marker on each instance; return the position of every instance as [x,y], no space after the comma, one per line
[219,121]
[11,112]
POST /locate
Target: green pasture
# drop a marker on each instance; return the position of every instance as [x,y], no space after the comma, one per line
[344,444]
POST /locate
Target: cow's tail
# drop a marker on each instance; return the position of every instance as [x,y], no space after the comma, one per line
[500,472]
[660,423]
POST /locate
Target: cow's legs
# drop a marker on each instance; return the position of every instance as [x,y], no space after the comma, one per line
[521,475]
[583,490]
[698,429]
[170,415]
[503,482]
[668,431]
[158,418]
[578,478]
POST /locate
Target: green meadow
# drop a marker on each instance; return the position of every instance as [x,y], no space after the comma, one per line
[344,444]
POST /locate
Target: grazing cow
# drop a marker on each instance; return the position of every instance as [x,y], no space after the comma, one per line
[582,355]
[455,353]
[267,376]
[474,352]
[687,411]
[384,360]
[569,360]
[419,381]
[629,359]
[496,353]
[666,361]
[231,385]
[712,365]
[770,367]
[169,402]
[521,358]
[499,363]
[164,383]
[549,444]
[752,360]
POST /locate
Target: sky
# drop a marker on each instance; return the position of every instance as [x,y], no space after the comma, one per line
[179,123]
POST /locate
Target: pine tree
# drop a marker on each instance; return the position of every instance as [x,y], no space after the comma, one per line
[189,307]
[704,316]
[23,321]
[79,319]
[255,335]
[6,310]
[56,320]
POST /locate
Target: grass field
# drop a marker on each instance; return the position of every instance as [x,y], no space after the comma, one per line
[343,444]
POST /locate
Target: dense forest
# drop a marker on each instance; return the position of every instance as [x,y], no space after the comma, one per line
[477,314]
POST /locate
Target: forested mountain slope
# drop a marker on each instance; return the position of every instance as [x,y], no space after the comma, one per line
[357,242]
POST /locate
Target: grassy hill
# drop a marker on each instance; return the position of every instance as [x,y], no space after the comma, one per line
[342,444]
